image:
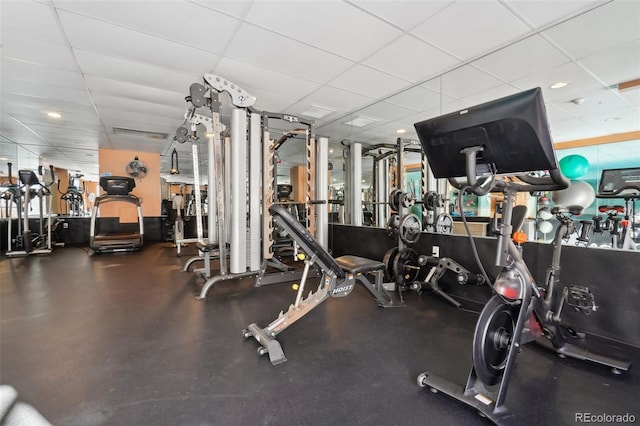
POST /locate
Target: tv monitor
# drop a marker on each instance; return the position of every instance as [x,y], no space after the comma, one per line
[117,185]
[618,183]
[513,132]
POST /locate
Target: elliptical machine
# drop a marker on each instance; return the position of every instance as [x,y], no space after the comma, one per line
[26,241]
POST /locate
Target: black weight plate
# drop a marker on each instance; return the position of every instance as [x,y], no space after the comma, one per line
[410,229]
[388,258]
[403,275]
[492,339]
[394,200]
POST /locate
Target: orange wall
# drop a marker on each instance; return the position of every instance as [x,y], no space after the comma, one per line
[148,188]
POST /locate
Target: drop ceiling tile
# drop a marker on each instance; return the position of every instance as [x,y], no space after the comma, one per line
[625,120]
[36,51]
[613,24]
[32,19]
[143,117]
[404,14]
[135,15]
[134,91]
[98,36]
[466,81]
[337,99]
[385,111]
[615,65]
[130,71]
[543,12]
[521,59]
[42,90]
[558,112]
[598,103]
[580,81]
[17,70]
[492,94]
[411,59]
[460,30]
[368,82]
[270,101]
[38,107]
[266,49]
[235,8]
[572,129]
[632,96]
[245,74]
[352,33]
[418,98]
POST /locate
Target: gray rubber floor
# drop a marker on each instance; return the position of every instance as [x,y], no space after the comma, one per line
[119,339]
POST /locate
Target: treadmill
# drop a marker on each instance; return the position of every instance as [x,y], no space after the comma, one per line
[118,189]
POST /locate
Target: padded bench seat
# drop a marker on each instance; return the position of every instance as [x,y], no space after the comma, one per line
[206,247]
[358,265]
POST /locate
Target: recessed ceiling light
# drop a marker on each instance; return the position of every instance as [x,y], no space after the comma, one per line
[401,131]
[209,134]
[3,158]
[559,85]
[331,151]
[54,114]
[363,181]
[610,119]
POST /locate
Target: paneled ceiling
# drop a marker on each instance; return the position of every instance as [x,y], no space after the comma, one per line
[128,64]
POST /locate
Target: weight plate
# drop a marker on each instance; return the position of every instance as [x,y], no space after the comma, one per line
[405,266]
[388,259]
[410,229]
[444,224]
[394,200]
[407,200]
[393,224]
[492,339]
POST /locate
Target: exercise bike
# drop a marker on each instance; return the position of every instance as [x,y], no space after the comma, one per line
[495,146]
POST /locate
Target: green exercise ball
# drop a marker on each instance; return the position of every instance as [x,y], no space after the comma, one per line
[574,166]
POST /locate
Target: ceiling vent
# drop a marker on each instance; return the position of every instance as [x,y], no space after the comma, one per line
[317,112]
[140,133]
[360,121]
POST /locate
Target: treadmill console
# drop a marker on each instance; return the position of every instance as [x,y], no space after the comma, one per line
[117,185]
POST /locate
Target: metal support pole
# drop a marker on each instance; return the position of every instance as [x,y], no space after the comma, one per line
[212,233]
[255,167]
[322,191]
[356,183]
[382,192]
[238,172]
[400,165]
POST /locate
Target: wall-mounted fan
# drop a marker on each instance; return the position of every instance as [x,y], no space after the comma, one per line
[136,168]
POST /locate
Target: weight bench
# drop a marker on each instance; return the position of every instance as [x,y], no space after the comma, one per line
[338,280]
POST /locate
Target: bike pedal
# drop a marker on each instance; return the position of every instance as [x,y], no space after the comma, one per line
[581,299]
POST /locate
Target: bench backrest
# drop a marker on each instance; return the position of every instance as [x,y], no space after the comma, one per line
[305,240]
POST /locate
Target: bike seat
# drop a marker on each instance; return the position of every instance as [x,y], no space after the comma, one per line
[574,210]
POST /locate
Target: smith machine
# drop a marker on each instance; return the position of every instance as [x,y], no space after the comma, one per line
[242,176]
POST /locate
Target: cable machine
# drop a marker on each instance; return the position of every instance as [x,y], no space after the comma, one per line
[242,177]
